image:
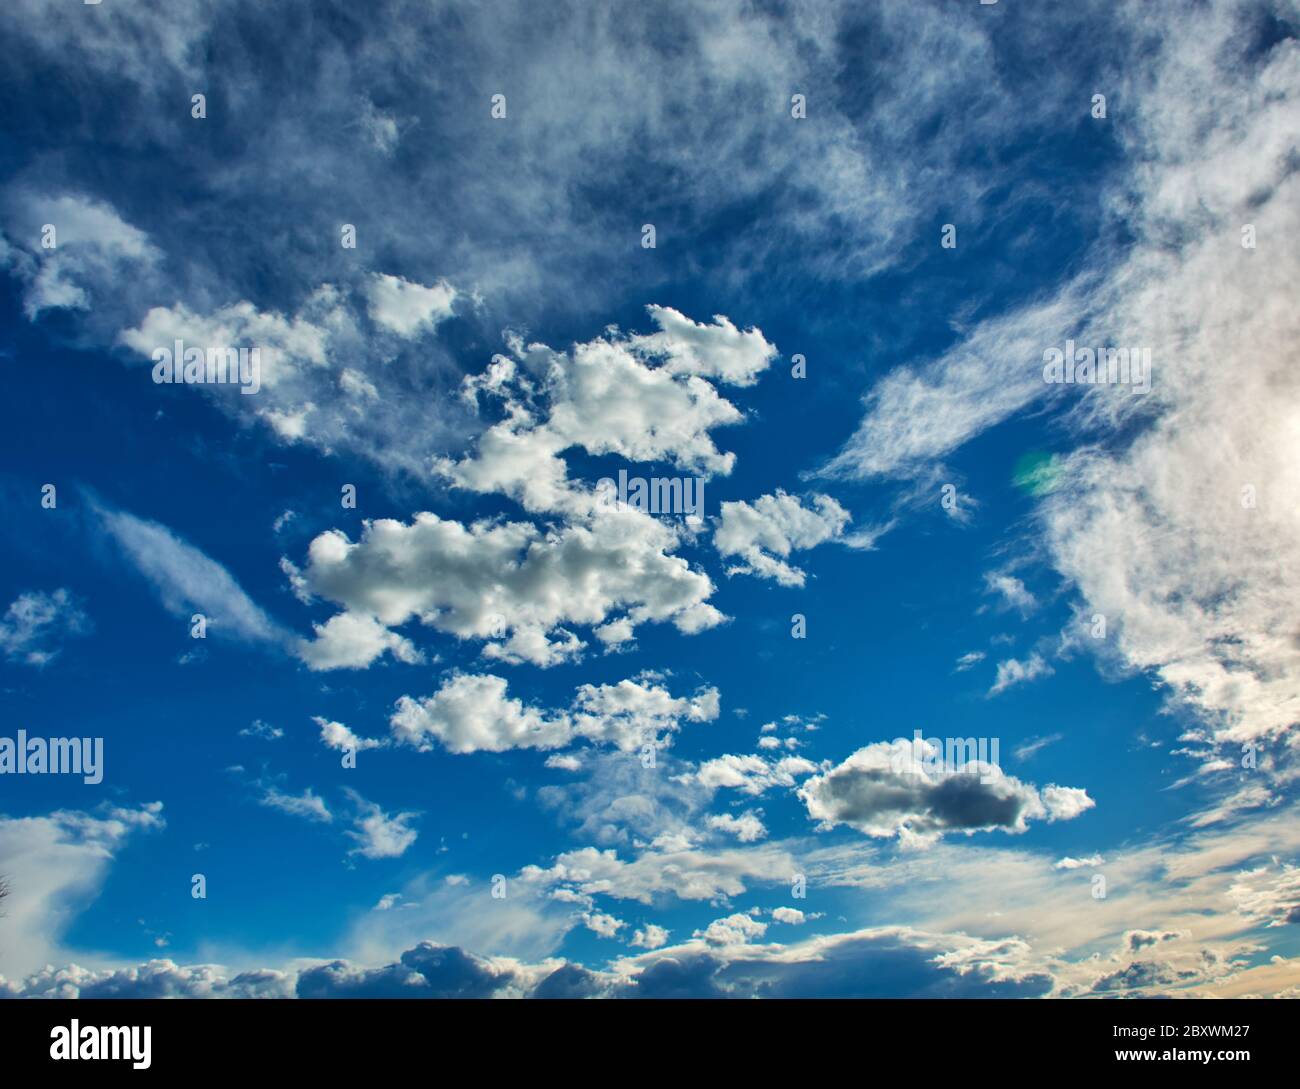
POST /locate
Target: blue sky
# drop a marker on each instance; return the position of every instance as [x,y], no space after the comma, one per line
[1101,579]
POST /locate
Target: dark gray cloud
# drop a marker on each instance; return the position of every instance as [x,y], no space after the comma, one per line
[426,971]
[866,964]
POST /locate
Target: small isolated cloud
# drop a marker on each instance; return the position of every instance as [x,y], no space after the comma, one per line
[966,661]
[1011,591]
[606,926]
[1030,747]
[1068,863]
[905,789]
[379,834]
[189,582]
[261,729]
[1013,671]
[764,533]
[737,929]
[337,736]
[650,936]
[35,625]
[308,805]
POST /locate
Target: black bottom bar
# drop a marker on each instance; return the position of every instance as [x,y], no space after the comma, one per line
[338,1037]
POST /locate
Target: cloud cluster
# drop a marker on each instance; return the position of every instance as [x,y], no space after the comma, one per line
[641,397]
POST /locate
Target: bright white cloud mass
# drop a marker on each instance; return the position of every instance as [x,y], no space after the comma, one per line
[960,676]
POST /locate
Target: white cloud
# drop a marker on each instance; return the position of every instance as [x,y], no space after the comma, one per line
[605,396]
[379,834]
[56,865]
[1068,863]
[308,805]
[35,625]
[337,736]
[916,415]
[748,827]
[764,533]
[688,874]
[472,713]
[650,936]
[1151,519]
[751,774]
[606,926]
[508,583]
[1013,671]
[323,380]
[261,729]
[1012,591]
[737,929]
[353,641]
[1269,894]
[94,248]
[1030,747]
[407,308]
[188,581]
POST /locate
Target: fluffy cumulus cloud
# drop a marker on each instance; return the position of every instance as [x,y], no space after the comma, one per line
[735,929]
[750,773]
[643,398]
[473,713]
[650,936]
[764,533]
[913,790]
[353,641]
[335,735]
[405,308]
[508,583]
[747,827]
